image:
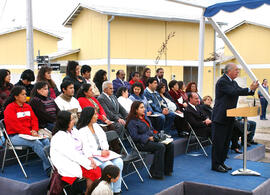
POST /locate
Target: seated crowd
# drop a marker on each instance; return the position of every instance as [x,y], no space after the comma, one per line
[79,116]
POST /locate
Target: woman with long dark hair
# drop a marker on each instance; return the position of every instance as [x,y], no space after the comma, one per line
[73,75]
[99,78]
[145,76]
[182,90]
[110,174]
[20,119]
[43,106]
[44,74]
[5,88]
[67,152]
[141,131]
[95,142]
[86,98]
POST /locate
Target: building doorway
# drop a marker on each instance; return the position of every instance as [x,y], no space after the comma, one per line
[190,74]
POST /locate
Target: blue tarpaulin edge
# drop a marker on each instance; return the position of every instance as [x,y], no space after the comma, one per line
[232,6]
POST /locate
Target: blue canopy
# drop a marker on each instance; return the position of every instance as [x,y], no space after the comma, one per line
[231,6]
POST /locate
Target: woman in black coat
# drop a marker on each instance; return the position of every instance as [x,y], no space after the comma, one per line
[73,75]
[206,106]
[141,131]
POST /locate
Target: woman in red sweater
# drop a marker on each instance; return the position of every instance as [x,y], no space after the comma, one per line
[19,119]
[86,98]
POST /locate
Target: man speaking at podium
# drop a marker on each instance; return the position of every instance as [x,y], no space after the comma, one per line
[227,93]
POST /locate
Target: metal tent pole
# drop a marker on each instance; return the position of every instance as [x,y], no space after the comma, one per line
[201,54]
[29,36]
[238,57]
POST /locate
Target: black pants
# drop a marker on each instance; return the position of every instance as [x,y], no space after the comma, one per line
[180,124]
[221,141]
[204,132]
[163,157]
[236,133]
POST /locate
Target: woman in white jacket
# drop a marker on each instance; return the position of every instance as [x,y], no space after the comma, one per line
[67,155]
[95,142]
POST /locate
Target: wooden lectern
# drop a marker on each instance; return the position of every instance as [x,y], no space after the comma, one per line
[244,112]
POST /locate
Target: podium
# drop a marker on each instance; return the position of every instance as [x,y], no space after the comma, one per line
[244,112]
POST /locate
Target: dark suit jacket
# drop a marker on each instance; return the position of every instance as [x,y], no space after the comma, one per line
[195,117]
[207,110]
[227,93]
[113,112]
[163,81]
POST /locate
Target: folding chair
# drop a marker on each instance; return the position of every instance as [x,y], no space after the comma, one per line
[129,158]
[139,153]
[9,146]
[46,150]
[192,133]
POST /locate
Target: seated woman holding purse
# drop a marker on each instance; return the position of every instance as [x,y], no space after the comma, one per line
[95,142]
[67,153]
[20,120]
[141,131]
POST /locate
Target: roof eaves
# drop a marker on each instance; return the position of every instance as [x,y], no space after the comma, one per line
[59,54]
[34,28]
[77,10]
[245,22]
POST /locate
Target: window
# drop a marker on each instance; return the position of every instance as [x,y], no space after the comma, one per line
[190,74]
[134,68]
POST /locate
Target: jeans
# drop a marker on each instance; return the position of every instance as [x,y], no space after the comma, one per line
[165,122]
[36,145]
[264,104]
[119,163]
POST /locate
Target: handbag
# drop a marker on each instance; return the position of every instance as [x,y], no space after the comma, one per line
[56,184]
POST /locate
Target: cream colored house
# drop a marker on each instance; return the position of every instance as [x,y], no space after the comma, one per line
[135,39]
[13,48]
[252,41]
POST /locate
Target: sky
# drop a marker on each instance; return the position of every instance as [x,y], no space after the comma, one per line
[50,14]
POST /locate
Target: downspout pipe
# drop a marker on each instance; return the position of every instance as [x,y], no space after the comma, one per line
[109,47]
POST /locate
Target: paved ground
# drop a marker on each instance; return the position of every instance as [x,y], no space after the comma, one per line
[262,134]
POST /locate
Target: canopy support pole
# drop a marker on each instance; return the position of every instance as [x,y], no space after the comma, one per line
[201,54]
[238,57]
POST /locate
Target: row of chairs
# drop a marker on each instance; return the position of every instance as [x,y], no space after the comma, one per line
[130,158]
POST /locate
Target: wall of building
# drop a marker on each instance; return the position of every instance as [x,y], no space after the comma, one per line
[89,33]
[252,42]
[13,48]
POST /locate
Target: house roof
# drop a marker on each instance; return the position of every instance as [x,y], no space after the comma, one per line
[63,53]
[15,29]
[170,12]
[245,22]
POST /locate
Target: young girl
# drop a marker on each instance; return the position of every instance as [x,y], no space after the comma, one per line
[110,174]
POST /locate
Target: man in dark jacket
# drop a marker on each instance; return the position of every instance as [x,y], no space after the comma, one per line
[227,93]
[26,78]
[159,76]
[120,81]
[196,117]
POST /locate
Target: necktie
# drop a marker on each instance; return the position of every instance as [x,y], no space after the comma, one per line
[113,101]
